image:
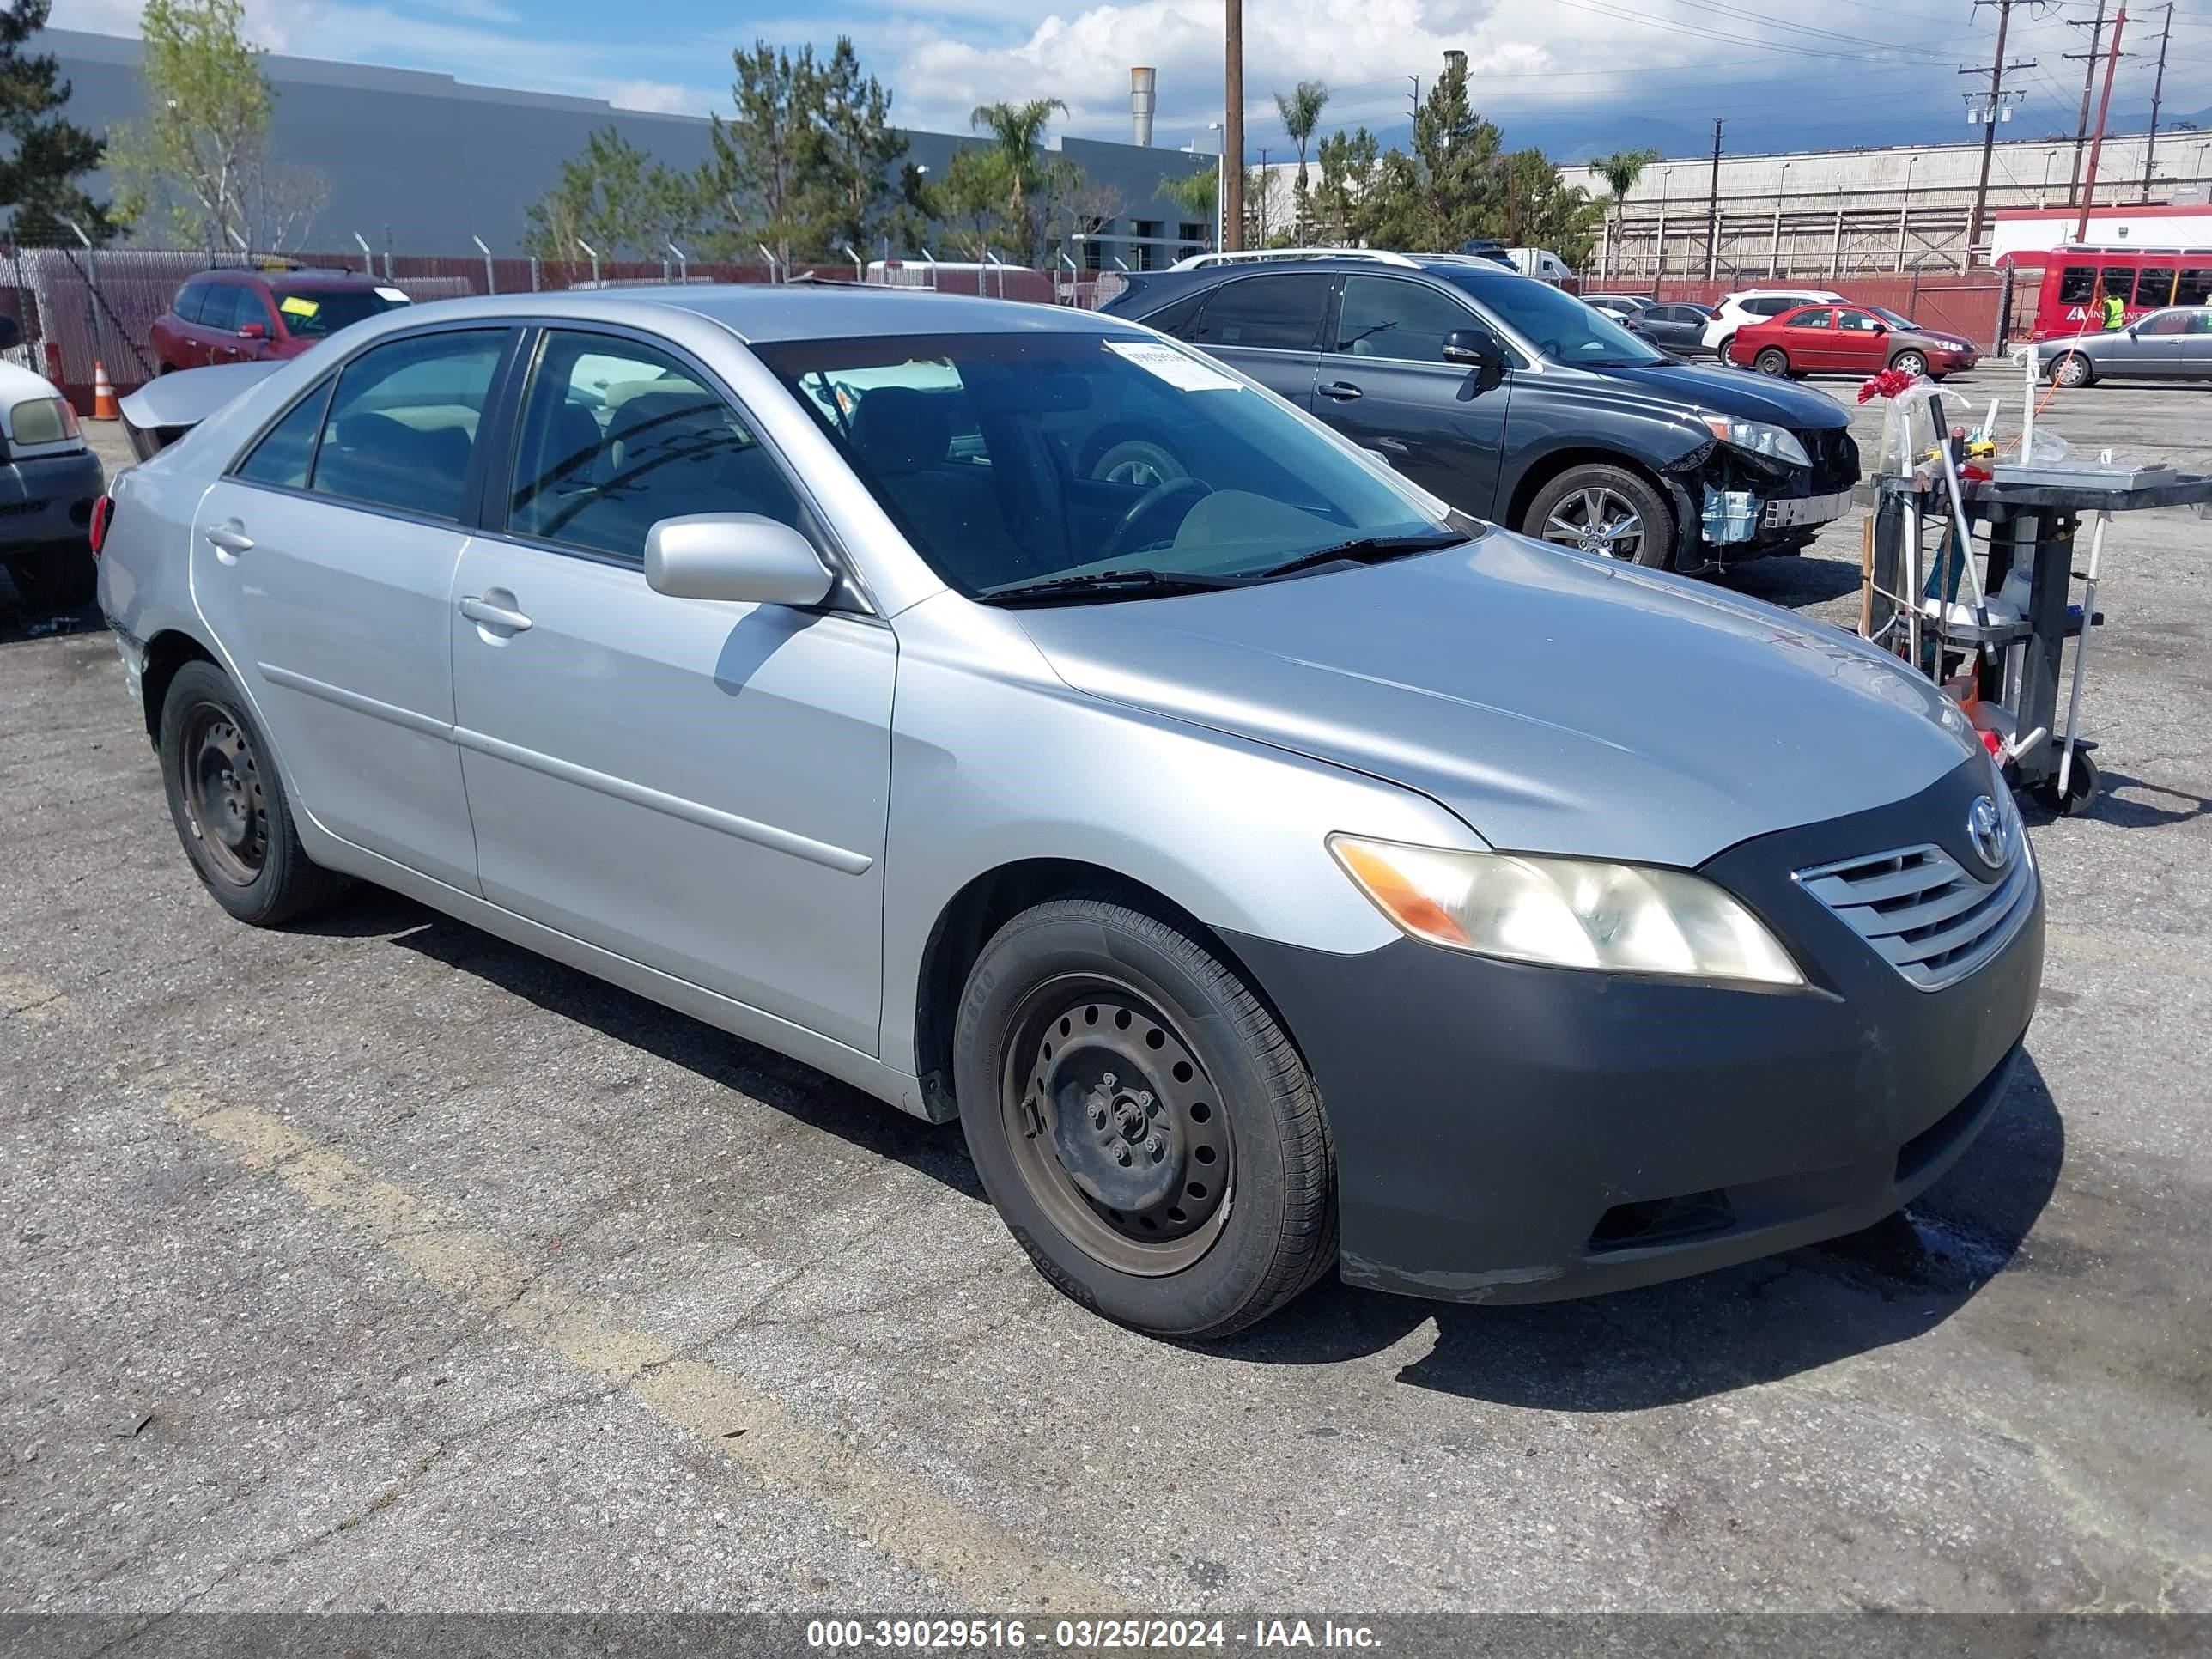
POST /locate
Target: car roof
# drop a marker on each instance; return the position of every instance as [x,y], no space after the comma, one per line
[758,312]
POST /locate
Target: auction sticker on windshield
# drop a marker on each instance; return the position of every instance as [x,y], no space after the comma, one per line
[1184,374]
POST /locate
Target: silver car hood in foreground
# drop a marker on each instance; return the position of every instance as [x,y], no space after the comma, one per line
[1557,703]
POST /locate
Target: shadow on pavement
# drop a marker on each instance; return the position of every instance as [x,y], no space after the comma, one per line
[1791,581]
[798,1091]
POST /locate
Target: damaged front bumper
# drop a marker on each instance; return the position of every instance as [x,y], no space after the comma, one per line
[1735,505]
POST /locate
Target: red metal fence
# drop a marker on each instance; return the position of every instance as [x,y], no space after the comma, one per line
[78,308]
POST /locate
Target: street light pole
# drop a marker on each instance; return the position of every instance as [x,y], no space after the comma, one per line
[1904,207]
[1774,253]
[1232,191]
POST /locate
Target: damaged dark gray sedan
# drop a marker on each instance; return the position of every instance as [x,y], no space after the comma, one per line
[1515,402]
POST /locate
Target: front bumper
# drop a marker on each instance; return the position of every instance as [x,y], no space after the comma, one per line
[1512,1134]
[46,501]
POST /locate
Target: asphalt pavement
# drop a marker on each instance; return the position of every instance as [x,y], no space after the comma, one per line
[378,1264]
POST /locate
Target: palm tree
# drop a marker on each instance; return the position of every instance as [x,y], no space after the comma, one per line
[1016,131]
[1301,110]
[1621,170]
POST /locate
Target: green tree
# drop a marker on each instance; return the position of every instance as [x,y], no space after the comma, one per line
[1301,109]
[1541,210]
[1198,194]
[967,200]
[1448,188]
[859,149]
[45,155]
[1017,132]
[615,196]
[1341,199]
[198,166]
[1621,171]
[765,173]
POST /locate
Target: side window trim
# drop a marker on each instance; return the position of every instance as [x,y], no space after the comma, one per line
[320,389]
[512,386]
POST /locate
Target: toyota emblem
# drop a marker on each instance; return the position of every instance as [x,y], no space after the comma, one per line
[1985,828]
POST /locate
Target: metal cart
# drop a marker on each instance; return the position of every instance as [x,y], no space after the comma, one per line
[2034,524]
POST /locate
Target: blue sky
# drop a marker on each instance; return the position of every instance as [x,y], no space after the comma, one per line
[1568,74]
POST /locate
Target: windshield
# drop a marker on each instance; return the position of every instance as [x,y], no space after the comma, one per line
[1556,323]
[312,313]
[1014,458]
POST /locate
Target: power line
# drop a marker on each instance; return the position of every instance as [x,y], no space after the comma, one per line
[2158,88]
[1996,108]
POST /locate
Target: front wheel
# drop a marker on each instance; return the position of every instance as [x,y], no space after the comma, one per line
[1910,361]
[1772,362]
[230,805]
[1144,1127]
[1604,509]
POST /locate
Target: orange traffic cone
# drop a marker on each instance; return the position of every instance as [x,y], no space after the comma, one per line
[104,406]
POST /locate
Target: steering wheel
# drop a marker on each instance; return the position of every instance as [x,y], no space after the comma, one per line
[1154,503]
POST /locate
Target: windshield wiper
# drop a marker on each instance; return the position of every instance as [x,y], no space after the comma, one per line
[1364,549]
[1111,584]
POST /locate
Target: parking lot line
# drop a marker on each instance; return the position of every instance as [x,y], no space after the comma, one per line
[988,1567]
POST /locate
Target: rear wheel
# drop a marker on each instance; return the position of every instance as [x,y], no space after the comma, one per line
[2072,369]
[230,805]
[1772,362]
[56,578]
[1604,509]
[1141,1121]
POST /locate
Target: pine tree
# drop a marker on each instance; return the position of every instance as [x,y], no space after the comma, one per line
[45,155]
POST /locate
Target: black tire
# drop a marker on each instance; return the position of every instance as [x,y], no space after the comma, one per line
[2071,368]
[1721,351]
[56,578]
[1911,360]
[250,858]
[1234,1103]
[1556,514]
[1771,361]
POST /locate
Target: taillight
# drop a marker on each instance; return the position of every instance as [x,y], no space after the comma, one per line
[103,514]
[70,427]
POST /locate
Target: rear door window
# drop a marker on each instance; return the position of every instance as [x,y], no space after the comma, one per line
[403,423]
[220,308]
[1811,319]
[1279,313]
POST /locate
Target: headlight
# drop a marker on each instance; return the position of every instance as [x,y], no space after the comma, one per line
[1567,913]
[1759,438]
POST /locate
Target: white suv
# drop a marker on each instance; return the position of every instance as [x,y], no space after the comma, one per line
[1756,305]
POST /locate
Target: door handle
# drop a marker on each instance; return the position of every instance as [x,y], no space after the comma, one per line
[478,610]
[229,538]
[1343,391]
[1396,445]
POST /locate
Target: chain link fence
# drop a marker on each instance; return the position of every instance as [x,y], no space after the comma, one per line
[79,309]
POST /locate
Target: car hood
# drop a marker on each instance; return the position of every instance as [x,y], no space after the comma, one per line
[1732,392]
[1556,703]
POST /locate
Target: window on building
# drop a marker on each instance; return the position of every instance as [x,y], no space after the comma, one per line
[1190,231]
[1094,254]
[2077,285]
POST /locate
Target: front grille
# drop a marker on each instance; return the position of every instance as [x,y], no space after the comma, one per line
[1835,460]
[1923,914]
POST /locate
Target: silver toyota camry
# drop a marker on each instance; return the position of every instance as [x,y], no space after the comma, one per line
[1028,721]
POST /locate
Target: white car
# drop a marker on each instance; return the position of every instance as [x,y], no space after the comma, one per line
[1756,305]
[49,480]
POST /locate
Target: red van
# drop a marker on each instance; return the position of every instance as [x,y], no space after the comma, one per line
[2076,279]
[239,316]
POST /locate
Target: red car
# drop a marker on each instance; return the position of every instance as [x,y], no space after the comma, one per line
[1847,340]
[244,316]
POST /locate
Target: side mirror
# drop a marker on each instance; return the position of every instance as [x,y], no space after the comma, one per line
[737,556]
[11,333]
[1880,326]
[253,331]
[1481,349]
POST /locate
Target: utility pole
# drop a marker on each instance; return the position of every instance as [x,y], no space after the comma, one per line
[2104,107]
[1713,208]
[2157,87]
[2088,83]
[1232,134]
[1996,95]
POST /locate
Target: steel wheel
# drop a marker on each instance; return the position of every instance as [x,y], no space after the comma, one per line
[224,796]
[1772,362]
[1596,519]
[1116,1130]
